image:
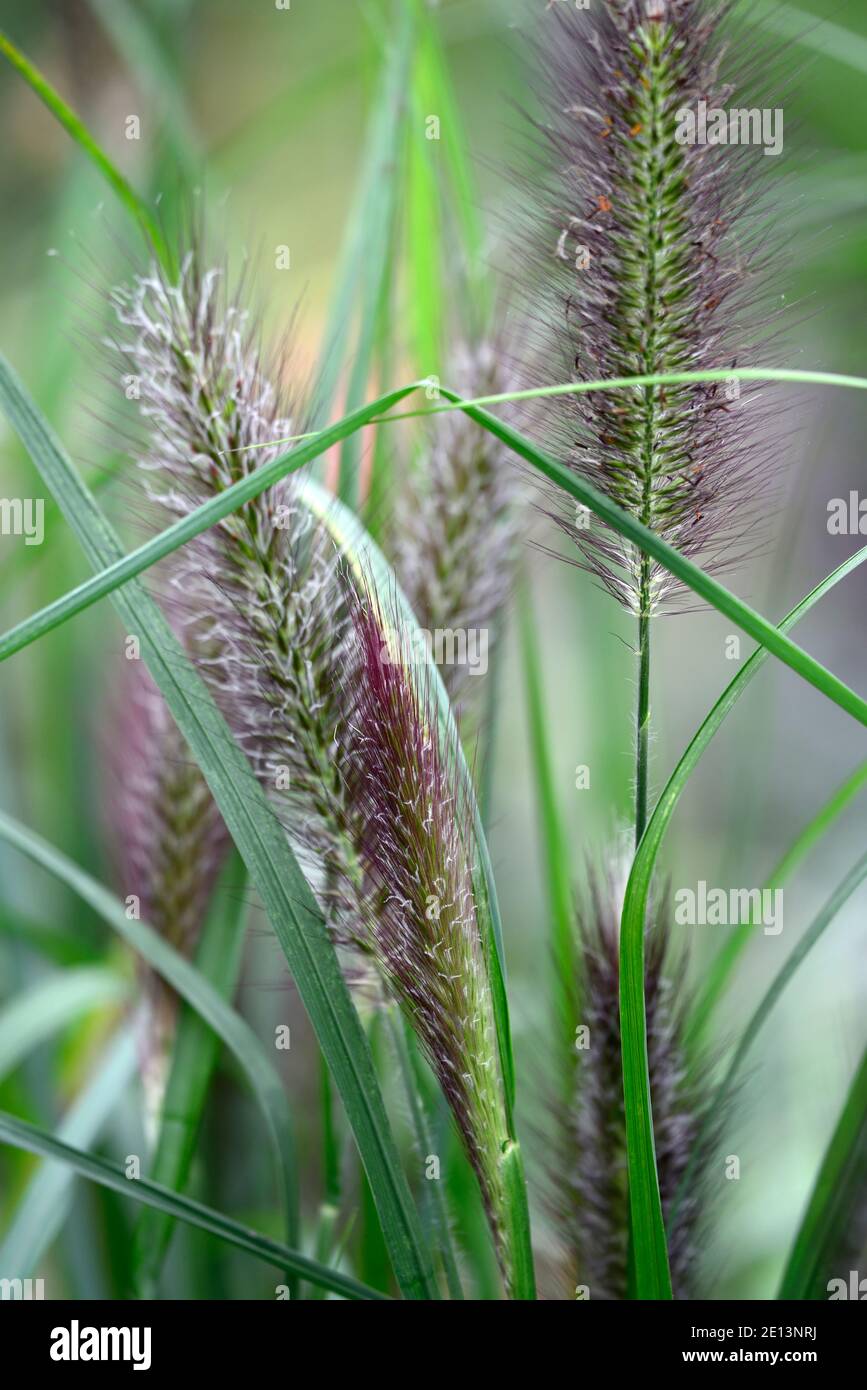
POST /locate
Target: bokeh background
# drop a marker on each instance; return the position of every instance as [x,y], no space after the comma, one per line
[263,111]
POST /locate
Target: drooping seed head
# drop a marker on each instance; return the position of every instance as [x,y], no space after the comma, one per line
[424,917]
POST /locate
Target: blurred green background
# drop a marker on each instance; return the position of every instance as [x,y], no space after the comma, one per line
[264,111]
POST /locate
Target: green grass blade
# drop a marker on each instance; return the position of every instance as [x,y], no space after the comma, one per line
[380,214]
[45,1204]
[52,1005]
[827,40]
[369,565]
[353,259]
[794,960]
[695,578]
[437,89]
[191,985]
[22,415]
[403,1043]
[789,375]
[721,968]
[120,569]
[31,1138]
[196,1048]
[650,1249]
[287,898]
[838,1192]
[329,1207]
[424,242]
[554,844]
[650,1277]
[85,141]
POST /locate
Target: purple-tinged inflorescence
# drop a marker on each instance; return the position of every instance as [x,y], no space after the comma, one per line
[261,588]
[424,918]
[347,745]
[169,842]
[588,1182]
[653,254]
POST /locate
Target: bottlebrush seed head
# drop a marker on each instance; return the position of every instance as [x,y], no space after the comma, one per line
[592,1206]
[653,255]
[295,652]
[422,913]
[169,842]
[457,522]
[261,588]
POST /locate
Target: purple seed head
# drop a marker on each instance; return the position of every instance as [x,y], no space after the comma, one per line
[591,1206]
[346,742]
[169,841]
[423,916]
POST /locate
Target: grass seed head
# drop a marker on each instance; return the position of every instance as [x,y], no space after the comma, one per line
[653,257]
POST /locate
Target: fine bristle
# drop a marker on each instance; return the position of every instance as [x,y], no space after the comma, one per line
[591,1200]
[169,842]
[347,746]
[652,258]
[457,520]
[423,916]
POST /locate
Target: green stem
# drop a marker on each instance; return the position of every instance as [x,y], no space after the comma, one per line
[329,1207]
[555,846]
[834,1201]
[403,1041]
[517,1217]
[649,1275]
[642,719]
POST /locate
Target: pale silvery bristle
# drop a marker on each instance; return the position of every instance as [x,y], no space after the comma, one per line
[293,649]
[261,588]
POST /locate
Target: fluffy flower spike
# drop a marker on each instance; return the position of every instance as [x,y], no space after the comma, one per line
[592,1207]
[344,741]
[169,842]
[422,914]
[457,521]
[653,256]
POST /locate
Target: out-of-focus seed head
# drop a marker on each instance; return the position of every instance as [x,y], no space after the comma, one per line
[588,1182]
[457,521]
[169,841]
